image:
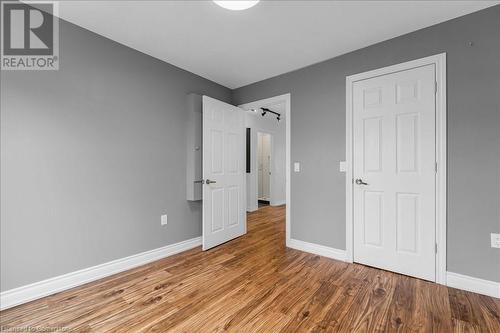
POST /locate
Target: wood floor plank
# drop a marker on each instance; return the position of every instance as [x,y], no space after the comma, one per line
[490,308]
[402,305]
[463,308]
[256,284]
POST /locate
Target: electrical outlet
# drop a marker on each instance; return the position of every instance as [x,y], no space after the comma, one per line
[495,240]
[164,219]
[296,167]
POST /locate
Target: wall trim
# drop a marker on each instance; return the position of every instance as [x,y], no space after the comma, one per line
[321,250]
[439,61]
[278,203]
[33,291]
[469,283]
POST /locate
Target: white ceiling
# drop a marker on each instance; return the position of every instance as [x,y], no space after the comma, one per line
[236,48]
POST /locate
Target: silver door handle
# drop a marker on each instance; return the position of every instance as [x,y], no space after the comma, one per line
[360,182]
[208,182]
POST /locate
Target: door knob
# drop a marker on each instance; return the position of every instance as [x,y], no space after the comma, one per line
[360,182]
[208,181]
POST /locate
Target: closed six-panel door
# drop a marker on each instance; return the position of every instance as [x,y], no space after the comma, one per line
[394,171]
[224,216]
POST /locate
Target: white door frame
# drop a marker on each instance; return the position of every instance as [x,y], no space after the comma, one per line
[439,61]
[271,165]
[285,98]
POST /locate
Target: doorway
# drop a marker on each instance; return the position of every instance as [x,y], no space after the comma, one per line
[225,182]
[270,116]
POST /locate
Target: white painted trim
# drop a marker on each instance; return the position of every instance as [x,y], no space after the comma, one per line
[277,203]
[321,250]
[286,98]
[349,234]
[33,291]
[439,61]
[469,283]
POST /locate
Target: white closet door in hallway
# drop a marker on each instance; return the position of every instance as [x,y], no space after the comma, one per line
[264,165]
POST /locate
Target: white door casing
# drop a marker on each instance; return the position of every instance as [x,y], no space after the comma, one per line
[394,140]
[224,202]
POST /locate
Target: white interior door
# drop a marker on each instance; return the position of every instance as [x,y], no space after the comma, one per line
[394,171]
[260,166]
[264,160]
[224,202]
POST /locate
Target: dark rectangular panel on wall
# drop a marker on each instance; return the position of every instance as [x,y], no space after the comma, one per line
[248,150]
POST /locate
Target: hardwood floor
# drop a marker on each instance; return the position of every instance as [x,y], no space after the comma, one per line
[255,284]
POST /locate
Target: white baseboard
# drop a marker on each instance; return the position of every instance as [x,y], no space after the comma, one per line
[20,295]
[473,284]
[321,250]
[278,203]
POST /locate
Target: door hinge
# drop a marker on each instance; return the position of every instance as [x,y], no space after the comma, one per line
[436,167]
[435,247]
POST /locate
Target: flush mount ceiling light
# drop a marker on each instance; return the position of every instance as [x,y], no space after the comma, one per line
[236,4]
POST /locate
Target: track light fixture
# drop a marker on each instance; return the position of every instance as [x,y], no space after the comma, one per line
[265,110]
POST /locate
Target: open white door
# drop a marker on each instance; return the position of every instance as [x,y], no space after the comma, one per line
[224,202]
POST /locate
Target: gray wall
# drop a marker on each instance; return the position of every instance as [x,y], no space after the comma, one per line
[318,135]
[91,156]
